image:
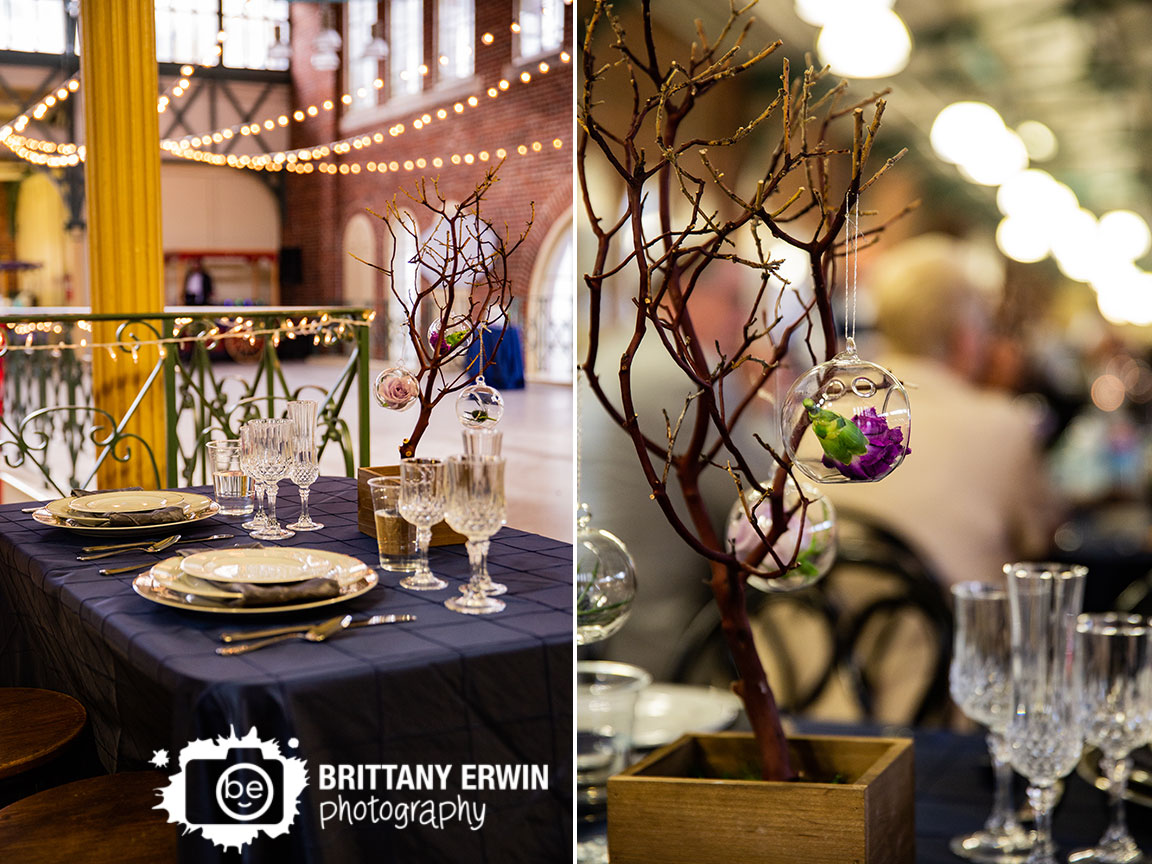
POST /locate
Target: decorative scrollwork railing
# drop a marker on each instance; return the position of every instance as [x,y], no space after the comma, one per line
[54,437]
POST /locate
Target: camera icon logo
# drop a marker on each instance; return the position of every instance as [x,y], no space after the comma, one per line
[233,789]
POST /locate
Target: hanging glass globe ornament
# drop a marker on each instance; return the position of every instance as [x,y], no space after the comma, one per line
[847,421]
[479,405]
[457,334]
[809,537]
[605,581]
[396,388]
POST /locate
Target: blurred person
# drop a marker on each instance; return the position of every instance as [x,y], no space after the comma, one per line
[971,495]
[197,285]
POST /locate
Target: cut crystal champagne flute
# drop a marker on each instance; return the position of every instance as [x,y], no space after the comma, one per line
[273,461]
[422,501]
[305,467]
[1116,653]
[1045,732]
[980,681]
[248,466]
[476,509]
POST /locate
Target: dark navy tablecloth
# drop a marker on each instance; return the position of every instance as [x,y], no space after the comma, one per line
[447,689]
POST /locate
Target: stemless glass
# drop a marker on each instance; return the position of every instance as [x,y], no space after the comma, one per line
[980,680]
[305,468]
[1045,733]
[422,502]
[273,460]
[248,459]
[1116,653]
[476,509]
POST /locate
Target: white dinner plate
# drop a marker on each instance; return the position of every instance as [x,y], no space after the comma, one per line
[103,503]
[664,712]
[89,526]
[268,566]
[151,590]
[169,575]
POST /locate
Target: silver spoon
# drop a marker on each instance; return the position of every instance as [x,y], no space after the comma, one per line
[313,634]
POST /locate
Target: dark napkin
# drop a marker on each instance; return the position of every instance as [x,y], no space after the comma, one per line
[280,594]
[149,517]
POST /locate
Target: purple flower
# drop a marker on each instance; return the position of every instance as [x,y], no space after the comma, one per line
[885,449]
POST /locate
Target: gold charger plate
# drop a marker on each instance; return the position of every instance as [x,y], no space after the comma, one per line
[46,516]
[151,590]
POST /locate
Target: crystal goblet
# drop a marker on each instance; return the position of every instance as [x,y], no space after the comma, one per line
[422,501]
[248,466]
[273,461]
[476,509]
[980,680]
[1116,652]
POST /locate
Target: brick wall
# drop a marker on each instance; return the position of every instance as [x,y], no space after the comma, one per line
[318,206]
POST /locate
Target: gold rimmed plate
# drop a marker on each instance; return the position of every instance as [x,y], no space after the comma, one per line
[150,589]
[1139,789]
[88,526]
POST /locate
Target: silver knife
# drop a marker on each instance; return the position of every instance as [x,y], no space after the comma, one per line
[300,628]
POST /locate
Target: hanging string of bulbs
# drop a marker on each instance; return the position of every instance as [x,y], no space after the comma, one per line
[189,147]
[324,330]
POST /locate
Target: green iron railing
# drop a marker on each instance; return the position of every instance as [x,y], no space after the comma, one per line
[53,436]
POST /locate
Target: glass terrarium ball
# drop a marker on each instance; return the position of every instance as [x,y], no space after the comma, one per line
[847,421]
[396,388]
[457,334]
[605,581]
[479,405]
[809,537]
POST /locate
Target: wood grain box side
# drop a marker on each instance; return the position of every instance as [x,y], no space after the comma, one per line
[658,819]
[442,535]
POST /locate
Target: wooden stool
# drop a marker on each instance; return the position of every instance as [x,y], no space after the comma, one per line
[35,725]
[96,821]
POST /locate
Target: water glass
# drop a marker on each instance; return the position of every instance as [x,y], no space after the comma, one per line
[305,467]
[605,711]
[232,485]
[423,496]
[1045,732]
[1116,653]
[395,537]
[980,680]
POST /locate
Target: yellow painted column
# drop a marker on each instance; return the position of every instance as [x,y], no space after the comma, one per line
[122,188]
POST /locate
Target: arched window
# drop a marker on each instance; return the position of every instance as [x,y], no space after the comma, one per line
[359,279]
[550,297]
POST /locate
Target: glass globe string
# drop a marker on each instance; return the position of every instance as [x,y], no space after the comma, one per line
[847,420]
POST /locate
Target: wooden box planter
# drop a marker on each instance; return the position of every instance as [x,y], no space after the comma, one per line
[442,535]
[680,805]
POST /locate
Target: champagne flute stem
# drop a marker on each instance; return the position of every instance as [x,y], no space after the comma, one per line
[424,540]
[304,517]
[478,558]
[272,505]
[1042,799]
[1117,771]
[1003,816]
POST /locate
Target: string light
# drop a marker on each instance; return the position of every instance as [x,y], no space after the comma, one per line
[53,155]
[328,329]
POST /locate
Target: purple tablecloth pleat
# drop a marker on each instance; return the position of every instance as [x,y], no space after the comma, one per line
[448,688]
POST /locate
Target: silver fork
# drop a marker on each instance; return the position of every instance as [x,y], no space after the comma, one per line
[158,546]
